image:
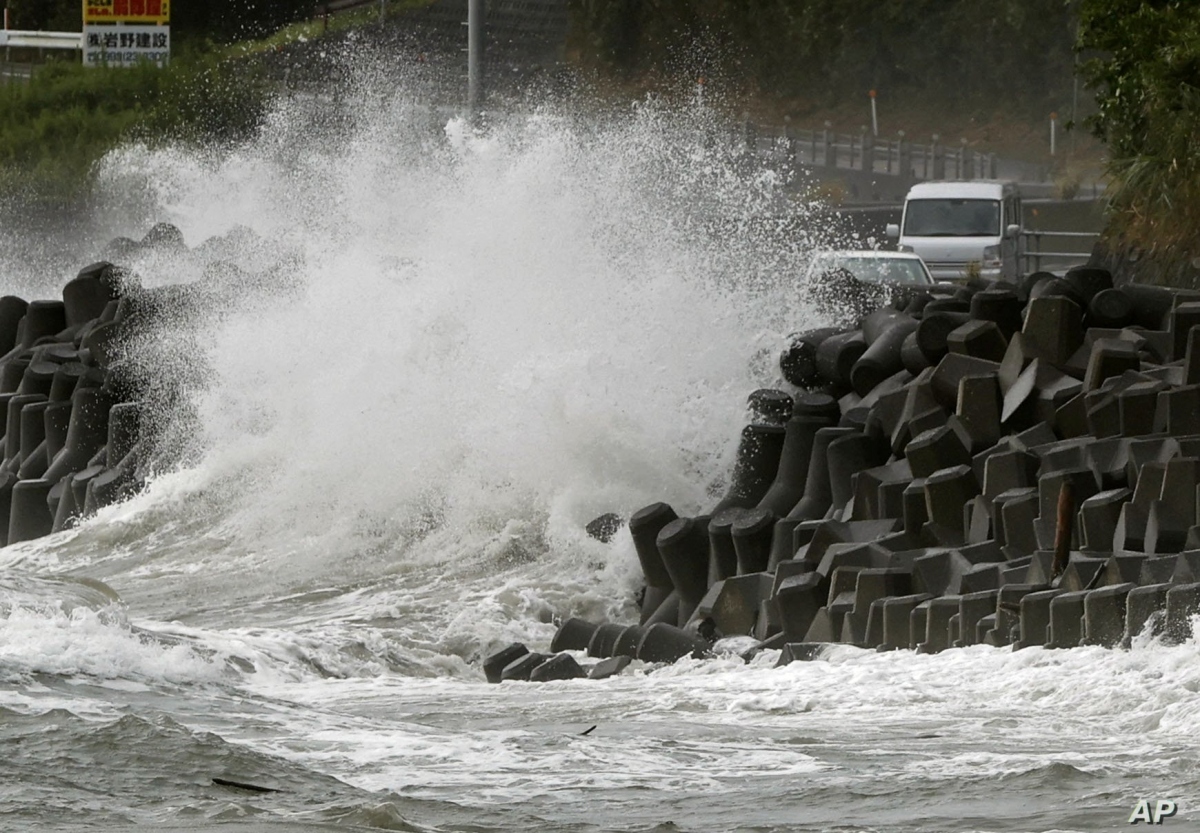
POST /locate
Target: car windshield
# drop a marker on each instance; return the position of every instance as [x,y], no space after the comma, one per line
[882,270]
[952,218]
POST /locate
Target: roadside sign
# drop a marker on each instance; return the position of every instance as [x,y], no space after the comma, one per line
[126,11]
[125,46]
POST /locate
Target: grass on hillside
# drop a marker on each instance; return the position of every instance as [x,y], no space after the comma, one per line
[54,129]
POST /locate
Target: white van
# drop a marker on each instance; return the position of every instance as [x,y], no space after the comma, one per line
[962,228]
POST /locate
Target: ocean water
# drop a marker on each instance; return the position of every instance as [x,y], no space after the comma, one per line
[436,352]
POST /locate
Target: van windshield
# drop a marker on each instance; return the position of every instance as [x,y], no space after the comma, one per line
[952,218]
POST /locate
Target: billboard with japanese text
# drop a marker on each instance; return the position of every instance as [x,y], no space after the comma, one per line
[126,11]
[123,46]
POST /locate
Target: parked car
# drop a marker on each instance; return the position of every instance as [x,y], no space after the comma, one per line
[876,267]
[846,285]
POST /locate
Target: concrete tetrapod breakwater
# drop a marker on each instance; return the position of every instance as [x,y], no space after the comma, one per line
[1002,464]
[72,426]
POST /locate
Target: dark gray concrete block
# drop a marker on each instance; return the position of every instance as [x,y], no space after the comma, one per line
[978,520]
[1009,470]
[610,667]
[797,600]
[751,534]
[978,409]
[798,361]
[826,627]
[936,449]
[1018,510]
[1055,326]
[557,667]
[1156,570]
[896,616]
[1136,407]
[1103,414]
[978,339]
[933,331]
[644,526]
[722,555]
[494,664]
[1110,308]
[1066,620]
[1109,358]
[985,630]
[837,355]
[683,545]
[971,608]
[981,577]
[665,643]
[950,372]
[915,513]
[1122,569]
[801,652]
[1130,532]
[604,640]
[1180,320]
[735,610]
[937,624]
[1182,409]
[1070,418]
[520,668]
[875,583]
[628,641]
[1098,517]
[1183,603]
[1104,615]
[1082,572]
[918,623]
[946,491]
[1187,568]
[573,635]
[999,305]
[1035,618]
[1145,609]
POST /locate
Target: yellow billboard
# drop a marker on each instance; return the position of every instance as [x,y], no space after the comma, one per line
[126,11]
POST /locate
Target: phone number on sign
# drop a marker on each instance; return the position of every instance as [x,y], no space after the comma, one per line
[117,57]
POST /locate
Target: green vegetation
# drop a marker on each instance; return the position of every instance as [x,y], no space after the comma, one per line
[1145,71]
[54,129]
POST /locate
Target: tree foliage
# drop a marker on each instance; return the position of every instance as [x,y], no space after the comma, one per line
[1145,71]
[957,51]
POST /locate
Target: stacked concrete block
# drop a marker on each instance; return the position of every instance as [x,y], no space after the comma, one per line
[59,386]
[1009,465]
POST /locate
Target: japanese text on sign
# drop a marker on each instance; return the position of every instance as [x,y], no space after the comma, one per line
[122,46]
[126,11]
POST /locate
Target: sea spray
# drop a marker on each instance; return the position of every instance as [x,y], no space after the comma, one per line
[457,346]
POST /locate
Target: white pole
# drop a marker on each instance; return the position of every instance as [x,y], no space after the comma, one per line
[1053,130]
[874,116]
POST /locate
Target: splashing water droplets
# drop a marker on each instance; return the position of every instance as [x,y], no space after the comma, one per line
[533,323]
